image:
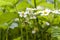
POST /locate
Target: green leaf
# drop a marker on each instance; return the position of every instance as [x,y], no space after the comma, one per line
[22,6]
[7,17]
[3,26]
[19,38]
[1,12]
[3,3]
[12,1]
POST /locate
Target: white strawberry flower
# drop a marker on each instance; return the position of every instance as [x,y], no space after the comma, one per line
[45,12]
[48,10]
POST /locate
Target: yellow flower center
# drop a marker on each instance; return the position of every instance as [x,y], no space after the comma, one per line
[45,12]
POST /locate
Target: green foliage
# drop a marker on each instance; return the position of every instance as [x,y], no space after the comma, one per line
[7,17]
[58,2]
[28,29]
[22,5]
[8,2]
[47,5]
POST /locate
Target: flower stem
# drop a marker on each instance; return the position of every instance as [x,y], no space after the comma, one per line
[54,4]
[35,3]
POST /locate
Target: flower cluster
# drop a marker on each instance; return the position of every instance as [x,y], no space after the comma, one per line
[32,12]
[46,17]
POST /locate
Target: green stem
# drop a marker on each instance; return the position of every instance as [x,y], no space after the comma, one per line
[54,4]
[37,20]
[26,33]
[21,28]
[7,34]
[45,29]
[42,36]
[0,33]
[35,3]
[22,33]
[34,36]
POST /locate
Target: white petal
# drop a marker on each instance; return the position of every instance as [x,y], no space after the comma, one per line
[27,12]
[56,12]
[28,8]
[47,10]
[21,15]
[25,16]
[19,12]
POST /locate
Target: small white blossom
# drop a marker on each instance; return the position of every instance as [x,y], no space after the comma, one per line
[47,23]
[48,10]
[26,12]
[19,12]
[25,16]
[28,8]
[33,17]
[33,32]
[22,14]
[45,12]
[56,12]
